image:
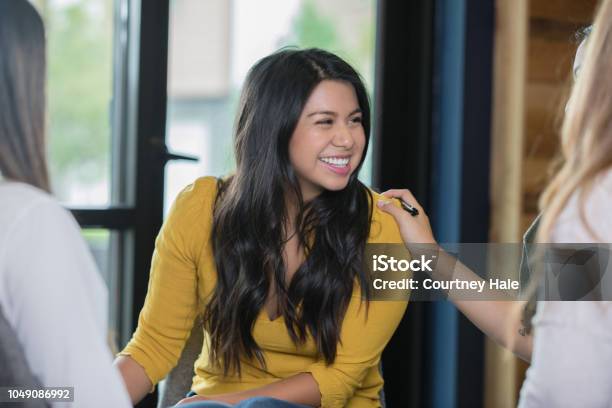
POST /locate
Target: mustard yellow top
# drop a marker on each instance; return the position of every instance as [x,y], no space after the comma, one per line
[183,275]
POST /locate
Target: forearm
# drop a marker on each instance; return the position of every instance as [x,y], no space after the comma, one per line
[135,378]
[496,315]
[493,312]
[499,320]
[298,389]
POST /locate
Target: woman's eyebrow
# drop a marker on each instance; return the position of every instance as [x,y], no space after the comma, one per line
[322,113]
[358,110]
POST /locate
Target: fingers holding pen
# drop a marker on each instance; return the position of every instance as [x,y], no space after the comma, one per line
[407,199]
[411,219]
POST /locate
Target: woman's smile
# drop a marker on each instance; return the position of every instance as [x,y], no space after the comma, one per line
[337,164]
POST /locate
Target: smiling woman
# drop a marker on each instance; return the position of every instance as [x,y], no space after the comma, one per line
[271,256]
[329,138]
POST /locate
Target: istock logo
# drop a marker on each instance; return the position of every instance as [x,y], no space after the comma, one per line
[383,263]
[576,273]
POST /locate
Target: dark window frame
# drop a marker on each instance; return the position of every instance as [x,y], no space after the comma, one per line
[139,153]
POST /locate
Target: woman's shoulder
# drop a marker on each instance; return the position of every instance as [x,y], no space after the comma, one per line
[203,189]
[191,214]
[22,203]
[384,229]
[35,229]
[18,196]
[195,198]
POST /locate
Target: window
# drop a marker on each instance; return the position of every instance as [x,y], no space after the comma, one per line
[212,45]
[79,89]
[89,139]
[107,107]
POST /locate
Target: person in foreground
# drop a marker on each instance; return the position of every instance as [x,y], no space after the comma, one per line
[270,258]
[572,341]
[51,294]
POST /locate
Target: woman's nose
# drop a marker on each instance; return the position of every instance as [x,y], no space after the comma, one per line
[343,138]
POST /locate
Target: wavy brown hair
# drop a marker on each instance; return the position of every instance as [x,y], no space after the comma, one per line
[250,218]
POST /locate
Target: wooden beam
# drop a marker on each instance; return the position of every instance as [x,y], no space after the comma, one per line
[508,128]
[508,118]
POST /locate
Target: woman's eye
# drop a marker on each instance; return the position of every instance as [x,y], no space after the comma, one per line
[325,122]
[356,119]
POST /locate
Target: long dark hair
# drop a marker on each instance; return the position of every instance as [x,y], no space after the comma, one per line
[22,94]
[250,217]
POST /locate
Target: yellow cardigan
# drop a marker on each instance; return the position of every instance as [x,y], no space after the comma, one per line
[183,276]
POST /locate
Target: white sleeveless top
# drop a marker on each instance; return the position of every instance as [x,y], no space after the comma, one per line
[572,352]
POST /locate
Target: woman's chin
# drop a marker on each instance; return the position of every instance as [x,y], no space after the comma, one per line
[324,184]
[336,185]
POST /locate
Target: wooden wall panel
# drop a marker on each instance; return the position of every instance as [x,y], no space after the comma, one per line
[550,54]
[548,59]
[577,11]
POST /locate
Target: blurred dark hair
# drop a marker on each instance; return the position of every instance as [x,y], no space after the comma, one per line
[22,94]
[250,217]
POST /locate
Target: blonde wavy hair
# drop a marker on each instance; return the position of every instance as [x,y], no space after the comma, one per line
[586,132]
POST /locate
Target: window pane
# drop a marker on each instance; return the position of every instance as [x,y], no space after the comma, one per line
[79,88]
[101,243]
[213,44]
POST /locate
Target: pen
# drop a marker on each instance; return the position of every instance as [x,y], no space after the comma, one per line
[413,211]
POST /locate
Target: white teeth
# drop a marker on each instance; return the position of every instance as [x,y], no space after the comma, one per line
[335,161]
